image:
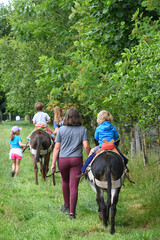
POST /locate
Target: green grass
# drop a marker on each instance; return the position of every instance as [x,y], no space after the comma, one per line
[32,212]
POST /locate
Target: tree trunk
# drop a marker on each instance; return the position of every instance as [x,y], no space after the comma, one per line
[10,116]
[30,118]
[122,139]
[132,145]
[159,145]
[137,140]
[144,149]
[1,116]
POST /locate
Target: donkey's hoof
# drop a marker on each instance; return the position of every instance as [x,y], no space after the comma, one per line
[105,225]
[100,214]
[112,231]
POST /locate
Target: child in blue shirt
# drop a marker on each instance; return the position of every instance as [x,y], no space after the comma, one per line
[16,149]
[106,131]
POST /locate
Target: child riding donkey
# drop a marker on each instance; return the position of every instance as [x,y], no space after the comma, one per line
[105,133]
[40,120]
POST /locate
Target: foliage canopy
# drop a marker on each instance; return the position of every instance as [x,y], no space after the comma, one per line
[91,54]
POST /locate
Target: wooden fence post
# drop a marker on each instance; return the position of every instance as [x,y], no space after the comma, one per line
[137,140]
[159,146]
[144,149]
[132,144]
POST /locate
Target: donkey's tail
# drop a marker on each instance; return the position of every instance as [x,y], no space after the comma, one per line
[38,148]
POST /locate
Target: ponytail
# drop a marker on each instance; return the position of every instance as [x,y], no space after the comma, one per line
[11,136]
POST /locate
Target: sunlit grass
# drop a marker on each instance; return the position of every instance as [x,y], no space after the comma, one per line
[29,211]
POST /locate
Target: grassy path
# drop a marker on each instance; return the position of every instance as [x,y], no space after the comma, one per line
[30,212]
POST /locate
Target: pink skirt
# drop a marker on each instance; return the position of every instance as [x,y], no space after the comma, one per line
[15,156]
[15,153]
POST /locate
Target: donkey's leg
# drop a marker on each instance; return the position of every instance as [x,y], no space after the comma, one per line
[36,173]
[101,204]
[100,214]
[42,167]
[45,166]
[35,168]
[41,163]
[115,195]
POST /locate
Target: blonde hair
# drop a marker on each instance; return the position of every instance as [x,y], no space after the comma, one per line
[104,116]
[13,134]
[58,114]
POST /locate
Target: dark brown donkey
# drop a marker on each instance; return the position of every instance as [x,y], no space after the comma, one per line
[41,146]
[107,174]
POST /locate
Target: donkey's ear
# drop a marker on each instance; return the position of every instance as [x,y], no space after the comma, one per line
[117,142]
[96,142]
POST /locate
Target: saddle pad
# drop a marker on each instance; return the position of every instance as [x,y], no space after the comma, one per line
[108,146]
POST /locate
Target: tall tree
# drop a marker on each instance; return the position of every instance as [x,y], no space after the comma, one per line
[103,29]
[5,26]
[18,65]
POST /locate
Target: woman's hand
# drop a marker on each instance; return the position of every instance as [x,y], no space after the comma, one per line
[86,147]
[55,155]
[53,168]
[55,130]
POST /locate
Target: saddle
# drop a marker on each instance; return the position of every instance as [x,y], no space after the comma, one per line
[41,127]
[42,151]
[45,129]
[108,146]
[86,169]
[105,146]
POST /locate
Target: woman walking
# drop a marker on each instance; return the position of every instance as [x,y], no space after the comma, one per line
[69,142]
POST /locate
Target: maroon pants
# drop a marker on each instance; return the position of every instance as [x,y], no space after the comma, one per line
[70,167]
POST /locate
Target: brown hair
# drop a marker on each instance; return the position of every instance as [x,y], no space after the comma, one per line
[38,106]
[58,114]
[13,134]
[72,118]
[104,116]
